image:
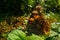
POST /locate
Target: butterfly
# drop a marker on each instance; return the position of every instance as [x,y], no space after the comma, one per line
[37,23]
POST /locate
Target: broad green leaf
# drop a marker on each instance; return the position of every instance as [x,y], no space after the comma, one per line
[17,34]
[35,37]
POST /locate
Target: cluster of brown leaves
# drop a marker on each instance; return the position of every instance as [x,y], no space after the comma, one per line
[37,23]
[12,23]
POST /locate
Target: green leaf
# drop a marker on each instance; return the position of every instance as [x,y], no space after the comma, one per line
[17,34]
[30,2]
[34,37]
[13,37]
[58,2]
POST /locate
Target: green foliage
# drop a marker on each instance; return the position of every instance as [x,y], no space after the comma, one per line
[58,2]
[35,37]
[55,26]
[30,2]
[20,35]
[4,35]
[21,7]
[16,35]
[50,5]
